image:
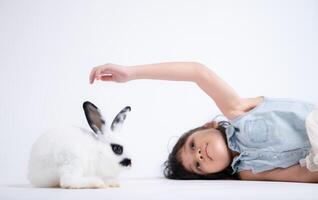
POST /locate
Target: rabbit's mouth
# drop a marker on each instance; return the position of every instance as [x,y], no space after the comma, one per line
[125,162]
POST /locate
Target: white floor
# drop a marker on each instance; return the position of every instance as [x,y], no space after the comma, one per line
[160,188]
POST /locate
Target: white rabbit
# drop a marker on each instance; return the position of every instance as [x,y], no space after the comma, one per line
[77,158]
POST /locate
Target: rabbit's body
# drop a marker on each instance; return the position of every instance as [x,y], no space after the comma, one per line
[73,157]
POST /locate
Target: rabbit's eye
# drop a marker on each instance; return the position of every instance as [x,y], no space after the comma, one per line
[117,149]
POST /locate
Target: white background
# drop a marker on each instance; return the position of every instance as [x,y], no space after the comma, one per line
[47,49]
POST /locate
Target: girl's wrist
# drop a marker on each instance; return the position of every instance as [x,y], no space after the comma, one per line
[131,72]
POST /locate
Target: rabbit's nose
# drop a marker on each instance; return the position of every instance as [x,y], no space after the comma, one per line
[125,162]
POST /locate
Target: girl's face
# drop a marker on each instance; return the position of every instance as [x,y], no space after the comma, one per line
[205,152]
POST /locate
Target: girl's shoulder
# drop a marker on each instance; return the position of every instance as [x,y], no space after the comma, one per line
[246,105]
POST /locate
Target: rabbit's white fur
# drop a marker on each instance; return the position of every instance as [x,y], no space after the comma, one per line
[73,157]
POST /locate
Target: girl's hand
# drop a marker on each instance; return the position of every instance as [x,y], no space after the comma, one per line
[212,124]
[110,72]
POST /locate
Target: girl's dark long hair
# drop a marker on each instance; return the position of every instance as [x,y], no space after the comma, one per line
[173,168]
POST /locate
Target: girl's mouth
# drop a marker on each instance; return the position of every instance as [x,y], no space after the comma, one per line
[206,151]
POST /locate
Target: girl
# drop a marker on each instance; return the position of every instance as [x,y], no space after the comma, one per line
[264,139]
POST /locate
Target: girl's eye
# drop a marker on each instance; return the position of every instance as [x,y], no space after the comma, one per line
[197,165]
[192,145]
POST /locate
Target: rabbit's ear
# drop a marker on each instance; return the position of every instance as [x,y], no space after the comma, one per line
[94,118]
[119,119]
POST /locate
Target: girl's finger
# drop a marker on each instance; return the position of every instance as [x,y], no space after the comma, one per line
[92,76]
[106,78]
[98,72]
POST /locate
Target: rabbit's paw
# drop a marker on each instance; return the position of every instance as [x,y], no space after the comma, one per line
[115,185]
[82,183]
[112,183]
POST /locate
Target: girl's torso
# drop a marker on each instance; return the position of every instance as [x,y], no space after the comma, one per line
[269,133]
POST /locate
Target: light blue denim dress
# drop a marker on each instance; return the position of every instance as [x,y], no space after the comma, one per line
[272,135]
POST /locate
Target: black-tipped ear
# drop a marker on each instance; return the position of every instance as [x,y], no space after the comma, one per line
[93,116]
[119,119]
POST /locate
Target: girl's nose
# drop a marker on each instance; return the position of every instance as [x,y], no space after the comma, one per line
[199,155]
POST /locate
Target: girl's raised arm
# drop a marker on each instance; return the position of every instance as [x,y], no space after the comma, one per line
[227,100]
